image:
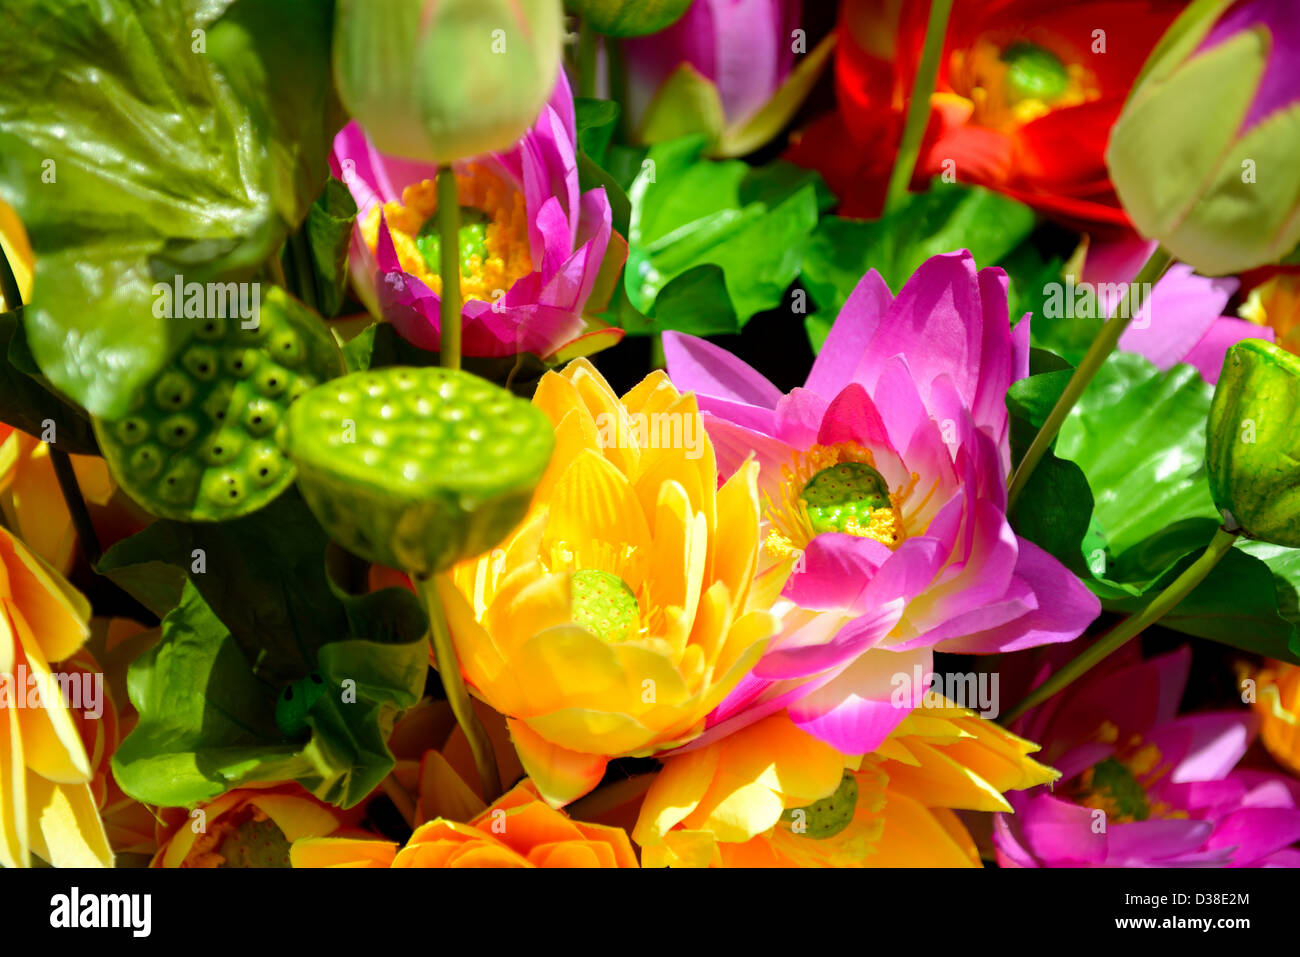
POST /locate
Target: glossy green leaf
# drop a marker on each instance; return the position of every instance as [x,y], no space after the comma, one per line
[132,155]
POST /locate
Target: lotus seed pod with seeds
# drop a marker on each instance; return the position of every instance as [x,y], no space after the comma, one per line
[1252,448]
[417,468]
[199,441]
[830,815]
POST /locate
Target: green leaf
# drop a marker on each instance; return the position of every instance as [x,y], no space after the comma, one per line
[686,104]
[1143,513]
[688,212]
[944,218]
[316,256]
[27,402]
[131,156]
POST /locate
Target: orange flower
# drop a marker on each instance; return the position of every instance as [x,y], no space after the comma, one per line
[518,830]
[247,827]
[1278,707]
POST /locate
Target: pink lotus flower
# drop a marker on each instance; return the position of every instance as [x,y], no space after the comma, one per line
[742,46]
[1182,321]
[1141,786]
[885,486]
[532,245]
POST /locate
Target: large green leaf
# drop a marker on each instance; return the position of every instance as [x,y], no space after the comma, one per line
[1143,510]
[689,212]
[142,140]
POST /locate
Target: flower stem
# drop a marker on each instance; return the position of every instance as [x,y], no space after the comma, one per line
[1102,346]
[449,267]
[67,477]
[586,59]
[444,653]
[918,109]
[1115,639]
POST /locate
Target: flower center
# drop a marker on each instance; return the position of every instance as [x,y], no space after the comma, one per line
[493,237]
[604,604]
[245,837]
[1018,83]
[833,489]
[1111,786]
[830,815]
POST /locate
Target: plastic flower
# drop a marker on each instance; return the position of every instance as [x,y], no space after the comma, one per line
[533,246]
[46,804]
[738,60]
[618,614]
[1025,98]
[518,830]
[1217,186]
[31,501]
[1182,320]
[1277,703]
[247,827]
[1142,786]
[771,795]
[883,482]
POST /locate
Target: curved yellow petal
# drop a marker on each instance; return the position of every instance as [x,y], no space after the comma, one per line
[559,775]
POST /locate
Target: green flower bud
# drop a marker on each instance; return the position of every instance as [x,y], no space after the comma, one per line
[1203,153]
[628,18]
[436,82]
[417,468]
[1252,443]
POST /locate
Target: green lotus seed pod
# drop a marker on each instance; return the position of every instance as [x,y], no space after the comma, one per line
[1252,448]
[845,496]
[198,443]
[605,604]
[417,468]
[830,815]
[628,18]
[295,701]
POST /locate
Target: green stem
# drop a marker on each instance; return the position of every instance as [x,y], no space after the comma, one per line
[586,59]
[444,653]
[277,272]
[449,263]
[305,274]
[1115,639]
[1102,346]
[616,64]
[918,108]
[657,358]
[67,477]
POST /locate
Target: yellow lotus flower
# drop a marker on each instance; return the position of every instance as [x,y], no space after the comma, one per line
[247,827]
[46,804]
[1275,303]
[30,498]
[518,830]
[619,613]
[771,795]
[17,249]
[1278,706]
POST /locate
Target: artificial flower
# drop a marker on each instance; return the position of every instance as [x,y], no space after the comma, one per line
[884,487]
[1218,186]
[771,795]
[1181,320]
[618,614]
[519,829]
[536,251]
[1277,703]
[743,64]
[1025,98]
[1142,786]
[47,807]
[32,503]
[247,827]
[441,81]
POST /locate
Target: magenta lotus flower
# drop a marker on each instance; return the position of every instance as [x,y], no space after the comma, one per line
[533,246]
[884,482]
[1182,320]
[1143,787]
[747,50]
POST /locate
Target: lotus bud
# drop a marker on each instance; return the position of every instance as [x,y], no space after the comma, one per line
[1252,444]
[438,80]
[1203,154]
